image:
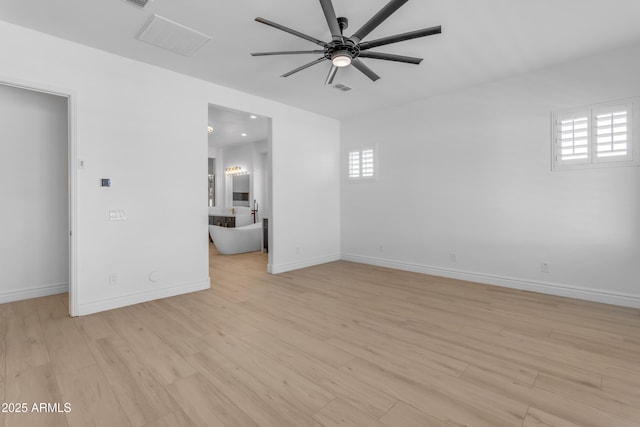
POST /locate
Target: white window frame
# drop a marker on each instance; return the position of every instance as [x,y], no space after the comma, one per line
[361,153]
[591,113]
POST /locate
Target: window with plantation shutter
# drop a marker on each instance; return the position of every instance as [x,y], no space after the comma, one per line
[573,138]
[596,135]
[354,164]
[612,134]
[361,164]
[367,163]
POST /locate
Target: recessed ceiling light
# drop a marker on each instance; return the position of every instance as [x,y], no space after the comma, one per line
[243,134]
[253,116]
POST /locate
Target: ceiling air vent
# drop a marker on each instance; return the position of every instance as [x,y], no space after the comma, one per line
[170,35]
[342,87]
[138,3]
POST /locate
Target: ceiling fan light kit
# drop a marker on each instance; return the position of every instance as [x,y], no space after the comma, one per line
[341,58]
[343,51]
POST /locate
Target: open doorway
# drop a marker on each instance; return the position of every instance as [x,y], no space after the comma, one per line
[239,186]
[36,191]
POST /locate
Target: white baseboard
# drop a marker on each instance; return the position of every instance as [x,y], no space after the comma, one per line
[36,292]
[283,268]
[558,289]
[122,301]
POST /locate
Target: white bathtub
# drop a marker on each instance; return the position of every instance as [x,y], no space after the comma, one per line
[237,240]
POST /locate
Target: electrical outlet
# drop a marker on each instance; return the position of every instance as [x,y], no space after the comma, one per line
[113,278]
[297,250]
[453,258]
[544,267]
[381,249]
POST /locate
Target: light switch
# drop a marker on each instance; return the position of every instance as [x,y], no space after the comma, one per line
[105,182]
[117,215]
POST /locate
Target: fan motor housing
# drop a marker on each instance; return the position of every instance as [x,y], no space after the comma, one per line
[346,45]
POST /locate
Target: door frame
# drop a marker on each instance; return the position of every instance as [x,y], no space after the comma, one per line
[72,151]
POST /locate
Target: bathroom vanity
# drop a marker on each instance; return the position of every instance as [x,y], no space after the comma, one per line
[222,221]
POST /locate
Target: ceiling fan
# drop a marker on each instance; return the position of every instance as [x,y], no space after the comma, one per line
[343,51]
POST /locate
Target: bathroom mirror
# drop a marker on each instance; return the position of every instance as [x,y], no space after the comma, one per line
[240,190]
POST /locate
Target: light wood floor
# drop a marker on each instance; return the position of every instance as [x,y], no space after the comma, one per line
[340,344]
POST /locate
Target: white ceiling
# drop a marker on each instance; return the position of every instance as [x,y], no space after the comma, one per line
[232,127]
[481,40]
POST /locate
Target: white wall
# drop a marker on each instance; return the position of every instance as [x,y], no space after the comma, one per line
[469,173]
[306,185]
[144,127]
[34,218]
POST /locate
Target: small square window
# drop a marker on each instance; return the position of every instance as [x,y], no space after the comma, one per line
[361,164]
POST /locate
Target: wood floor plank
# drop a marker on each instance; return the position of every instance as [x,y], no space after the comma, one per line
[405,356]
[51,307]
[177,312]
[92,400]
[565,352]
[403,415]
[179,338]
[22,308]
[206,405]
[614,404]
[628,388]
[355,392]
[623,351]
[309,396]
[433,402]
[142,397]
[34,385]
[538,418]
[174,419]
[94,327]
[517,353]
[561,405]
[339,413]
[67,348]
[264,405]
[309,344]
[25,344]
[157,354]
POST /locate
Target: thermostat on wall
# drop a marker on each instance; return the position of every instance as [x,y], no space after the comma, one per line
[105,182]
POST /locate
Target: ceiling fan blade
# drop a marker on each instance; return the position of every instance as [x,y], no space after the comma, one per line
[401,37]
[364,69]
[377,19]
[317,61]
[332,74]
[332,20]
[290,31]
[390,57]
[289,52]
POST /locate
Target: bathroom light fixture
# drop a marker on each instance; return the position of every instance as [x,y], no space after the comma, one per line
[209,129]
[236,170]
[341,58]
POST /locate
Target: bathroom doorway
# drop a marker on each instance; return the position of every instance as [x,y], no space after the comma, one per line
[239,186]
